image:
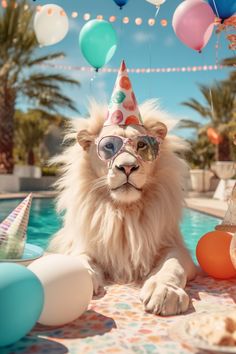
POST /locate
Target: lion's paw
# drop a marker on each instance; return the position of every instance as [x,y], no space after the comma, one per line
[163,299]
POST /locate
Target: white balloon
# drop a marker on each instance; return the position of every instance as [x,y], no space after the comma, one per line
[68,288]
[157,3]
[51,24]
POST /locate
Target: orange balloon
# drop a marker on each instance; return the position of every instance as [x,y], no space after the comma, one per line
[213,255]
[213,136]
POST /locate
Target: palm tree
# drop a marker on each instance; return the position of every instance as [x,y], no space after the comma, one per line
[219,109]
[231,81]
[201,152]
[18,59]
[29,132]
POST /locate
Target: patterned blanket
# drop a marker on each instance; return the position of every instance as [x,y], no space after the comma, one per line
[116,323]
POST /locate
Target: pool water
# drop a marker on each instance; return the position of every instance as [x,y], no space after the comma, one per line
[44,222]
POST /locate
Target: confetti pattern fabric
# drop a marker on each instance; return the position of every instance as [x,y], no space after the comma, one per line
[116,323]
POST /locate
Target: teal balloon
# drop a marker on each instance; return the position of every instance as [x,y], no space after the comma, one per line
[98,42]
[21,302]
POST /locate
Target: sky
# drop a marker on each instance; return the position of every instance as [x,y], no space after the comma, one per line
[141,47]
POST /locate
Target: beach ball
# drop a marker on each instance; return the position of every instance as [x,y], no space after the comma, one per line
[51,24]
[67,286]
[213,255]
[21,302]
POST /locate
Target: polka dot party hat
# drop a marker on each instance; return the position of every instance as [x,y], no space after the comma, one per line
[13,231]
[123,107]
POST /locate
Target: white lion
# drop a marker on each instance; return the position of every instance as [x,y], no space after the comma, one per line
[123,219]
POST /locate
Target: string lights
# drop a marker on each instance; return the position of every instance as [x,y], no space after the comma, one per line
[136,70]
[138,21]
[87,16]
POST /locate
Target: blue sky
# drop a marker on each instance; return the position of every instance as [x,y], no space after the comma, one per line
[140,46]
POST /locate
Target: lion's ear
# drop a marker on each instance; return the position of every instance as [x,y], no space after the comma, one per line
[85,139]
[158,129]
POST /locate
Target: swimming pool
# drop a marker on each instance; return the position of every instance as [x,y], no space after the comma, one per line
[44,222]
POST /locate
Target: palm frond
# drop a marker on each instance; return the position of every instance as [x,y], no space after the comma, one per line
[188,124]
[198,107]
[51,79]
[44,58]
[229,61]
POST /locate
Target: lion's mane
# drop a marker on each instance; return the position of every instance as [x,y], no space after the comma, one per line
[124,239]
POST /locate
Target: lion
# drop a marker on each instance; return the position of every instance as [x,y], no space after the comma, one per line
[122,219]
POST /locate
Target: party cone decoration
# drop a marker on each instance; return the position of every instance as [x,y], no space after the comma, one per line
[229,221]
[123,107]
[13,231]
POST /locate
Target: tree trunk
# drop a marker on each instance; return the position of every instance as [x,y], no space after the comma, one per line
[31,158]
[7,111]
[224,149]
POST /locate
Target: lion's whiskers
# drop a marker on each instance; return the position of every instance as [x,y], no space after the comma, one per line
[99,183]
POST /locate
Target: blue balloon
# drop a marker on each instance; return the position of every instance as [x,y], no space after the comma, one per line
[121,3]
[21,302]
[223,8]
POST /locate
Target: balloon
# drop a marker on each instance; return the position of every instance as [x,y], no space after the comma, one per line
[213,136]
[157,3]
[213,255]
[233,250]
[193,23]
[67,286]
[223,8]
[98,42]
[50,24]
[21,302]
[121,3]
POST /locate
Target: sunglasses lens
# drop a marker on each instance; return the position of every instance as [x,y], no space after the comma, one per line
[147,148]
[109,146]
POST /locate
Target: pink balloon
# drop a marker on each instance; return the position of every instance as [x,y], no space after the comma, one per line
[193,23]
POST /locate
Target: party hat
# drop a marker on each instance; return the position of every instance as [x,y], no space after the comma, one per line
[229,221]
[13,231]
[123,107]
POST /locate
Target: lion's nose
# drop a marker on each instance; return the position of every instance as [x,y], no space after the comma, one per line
[127,169]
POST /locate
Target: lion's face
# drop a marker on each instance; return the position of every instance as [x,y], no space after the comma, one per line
[126,175]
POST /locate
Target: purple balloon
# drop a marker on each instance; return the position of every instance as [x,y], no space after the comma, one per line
[193,23]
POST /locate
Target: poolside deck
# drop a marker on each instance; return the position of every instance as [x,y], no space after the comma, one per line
[200,202]
[207,205]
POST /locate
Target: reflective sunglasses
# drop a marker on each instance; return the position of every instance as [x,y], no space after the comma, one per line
[146,147]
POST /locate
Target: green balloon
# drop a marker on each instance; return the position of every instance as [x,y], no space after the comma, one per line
[98,42]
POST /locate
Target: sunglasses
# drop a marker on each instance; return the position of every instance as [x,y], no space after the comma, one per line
[146,147]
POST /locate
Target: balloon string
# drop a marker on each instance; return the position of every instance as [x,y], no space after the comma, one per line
[120,39]
[216,9]
[217,48]
[150,65]
[212,104]
[157,11]
[91,81]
